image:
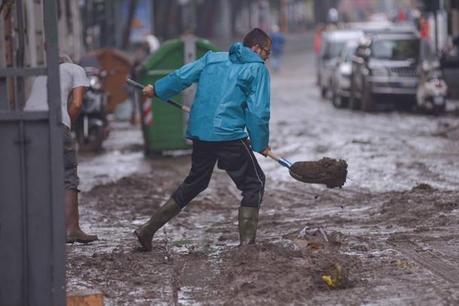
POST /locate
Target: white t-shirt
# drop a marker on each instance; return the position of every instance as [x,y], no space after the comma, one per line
[71,76]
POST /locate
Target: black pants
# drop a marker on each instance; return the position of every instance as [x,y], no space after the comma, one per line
[236,158]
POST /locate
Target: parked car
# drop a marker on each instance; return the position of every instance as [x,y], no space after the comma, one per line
[341,78]
[332,44]
[385,68]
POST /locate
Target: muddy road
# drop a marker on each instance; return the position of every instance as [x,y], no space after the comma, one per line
[388,237]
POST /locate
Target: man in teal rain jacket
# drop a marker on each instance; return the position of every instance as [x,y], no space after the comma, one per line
[232,105]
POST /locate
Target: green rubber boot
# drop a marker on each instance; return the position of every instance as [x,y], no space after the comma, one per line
[248,220]
[166,212]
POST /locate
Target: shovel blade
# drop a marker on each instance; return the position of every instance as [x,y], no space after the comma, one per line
[327,171]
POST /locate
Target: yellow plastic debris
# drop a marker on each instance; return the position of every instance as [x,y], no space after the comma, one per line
[334,277]
[328,280]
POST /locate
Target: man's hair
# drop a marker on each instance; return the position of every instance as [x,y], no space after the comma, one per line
[256,37]
[65,58]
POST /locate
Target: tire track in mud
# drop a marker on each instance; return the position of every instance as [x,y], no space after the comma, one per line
[427,259]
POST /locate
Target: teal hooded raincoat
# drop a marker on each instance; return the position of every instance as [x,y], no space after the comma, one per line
[232,98]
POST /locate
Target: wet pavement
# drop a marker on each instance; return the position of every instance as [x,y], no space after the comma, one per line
[122,156]
[393,226]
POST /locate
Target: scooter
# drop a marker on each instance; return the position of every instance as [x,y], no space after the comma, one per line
[91,127]
[432,93]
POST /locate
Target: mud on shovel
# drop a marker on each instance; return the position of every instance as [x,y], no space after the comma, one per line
[327,171]
[330,172]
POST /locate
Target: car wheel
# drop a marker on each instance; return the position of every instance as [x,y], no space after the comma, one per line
[439,109]
[338,101]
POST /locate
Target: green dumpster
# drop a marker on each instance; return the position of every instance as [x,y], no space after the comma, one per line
[164,126]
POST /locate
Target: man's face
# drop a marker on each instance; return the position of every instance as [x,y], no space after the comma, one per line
[264,52]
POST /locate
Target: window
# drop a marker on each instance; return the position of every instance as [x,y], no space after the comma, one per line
[396,49]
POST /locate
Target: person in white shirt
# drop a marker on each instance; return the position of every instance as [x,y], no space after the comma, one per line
[73,82]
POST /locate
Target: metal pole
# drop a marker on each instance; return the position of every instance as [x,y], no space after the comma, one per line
[3,53]
[20,94]
[20,100]
[9,57]
[56,155]
[32,35]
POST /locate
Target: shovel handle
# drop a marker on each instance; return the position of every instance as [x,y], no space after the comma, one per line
[172,102]
[284,162]
[177,105]
[134,83]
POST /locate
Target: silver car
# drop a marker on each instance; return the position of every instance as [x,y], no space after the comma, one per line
[341,79]
[332,44]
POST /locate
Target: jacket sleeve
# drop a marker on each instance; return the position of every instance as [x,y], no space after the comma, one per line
[258,113]
[176,81]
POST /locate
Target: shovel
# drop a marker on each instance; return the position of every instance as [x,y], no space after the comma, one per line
[297,170]
[172,102]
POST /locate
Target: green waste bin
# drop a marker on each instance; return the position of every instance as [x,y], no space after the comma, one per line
[164,126]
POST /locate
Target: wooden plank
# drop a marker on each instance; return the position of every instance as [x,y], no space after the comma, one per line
[85,298]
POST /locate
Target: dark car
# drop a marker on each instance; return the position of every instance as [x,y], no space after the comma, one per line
[385,68]
[332,44]
[449,61]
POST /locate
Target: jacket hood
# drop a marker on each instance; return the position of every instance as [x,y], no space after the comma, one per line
[240,54]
